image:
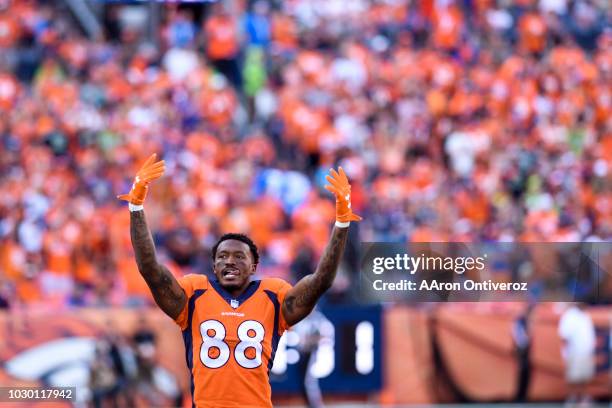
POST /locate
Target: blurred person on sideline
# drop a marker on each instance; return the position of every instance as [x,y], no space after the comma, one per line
[577,333]
[122,362]
[309,331]
[522,346]
[144,341]
[103,381]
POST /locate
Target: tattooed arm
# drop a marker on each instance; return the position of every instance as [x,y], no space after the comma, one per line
[166,290]
[301,299]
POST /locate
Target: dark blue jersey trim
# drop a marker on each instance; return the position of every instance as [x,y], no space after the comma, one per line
[188,338]
[275,336]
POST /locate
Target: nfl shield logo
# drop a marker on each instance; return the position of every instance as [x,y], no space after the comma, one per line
[234,303]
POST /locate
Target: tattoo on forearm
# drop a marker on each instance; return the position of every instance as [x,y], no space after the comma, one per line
[142,242]
[313,286]
[166,291]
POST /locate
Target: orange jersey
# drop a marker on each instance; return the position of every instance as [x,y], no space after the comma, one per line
[230,343]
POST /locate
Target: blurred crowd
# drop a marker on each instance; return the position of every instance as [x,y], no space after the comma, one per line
[465,120]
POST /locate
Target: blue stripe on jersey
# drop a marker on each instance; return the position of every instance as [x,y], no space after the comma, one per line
[275,337]
[188,338]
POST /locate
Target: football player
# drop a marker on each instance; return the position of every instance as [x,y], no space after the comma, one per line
[231,325]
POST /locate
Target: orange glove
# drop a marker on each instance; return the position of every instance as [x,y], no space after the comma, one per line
[150,171]
[339,185]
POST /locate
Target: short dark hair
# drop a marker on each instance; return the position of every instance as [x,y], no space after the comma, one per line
[241,238]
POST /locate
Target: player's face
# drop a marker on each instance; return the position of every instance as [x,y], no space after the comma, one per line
[234,265]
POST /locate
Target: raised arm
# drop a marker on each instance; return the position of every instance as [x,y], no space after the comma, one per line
[166,290]
[301,299]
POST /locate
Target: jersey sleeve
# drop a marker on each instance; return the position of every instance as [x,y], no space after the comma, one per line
[281,291]
[189,283]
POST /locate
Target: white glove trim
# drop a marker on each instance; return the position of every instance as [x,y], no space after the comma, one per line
[134,207]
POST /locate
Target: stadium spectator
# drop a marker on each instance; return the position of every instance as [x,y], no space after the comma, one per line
[257,25]
[223,44]
[577,332]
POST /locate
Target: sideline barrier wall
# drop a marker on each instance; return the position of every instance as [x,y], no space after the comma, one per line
[434,353]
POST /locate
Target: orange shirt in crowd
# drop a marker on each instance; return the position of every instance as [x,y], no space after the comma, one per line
[9,30]
[474,206]
[606,148]
[284,31]
[12,259]
[75,52]
[9,89]
[28,290]
[392,188]
[219,106]
[84,269]
[222,37]
[312,65]
[311,221]
[428,234]
[448,25]
[135,284]
[532,31]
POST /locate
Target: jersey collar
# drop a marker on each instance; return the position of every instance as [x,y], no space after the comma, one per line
[249,291]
